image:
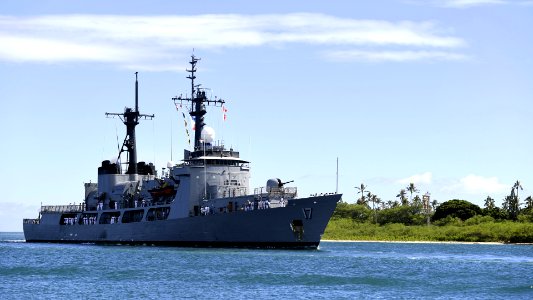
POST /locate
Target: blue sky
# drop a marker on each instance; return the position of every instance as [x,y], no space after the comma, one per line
[437,93]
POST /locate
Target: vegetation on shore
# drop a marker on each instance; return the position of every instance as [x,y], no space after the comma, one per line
[418,219]
[504,232]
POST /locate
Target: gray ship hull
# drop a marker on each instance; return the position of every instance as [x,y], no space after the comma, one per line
[299,225]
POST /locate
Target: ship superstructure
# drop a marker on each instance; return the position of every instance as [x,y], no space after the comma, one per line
[203,201]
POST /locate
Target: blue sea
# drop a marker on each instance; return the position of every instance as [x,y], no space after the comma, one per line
[338,270]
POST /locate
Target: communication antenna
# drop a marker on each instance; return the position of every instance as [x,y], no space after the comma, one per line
[131,118]
[337,181]
[198,102]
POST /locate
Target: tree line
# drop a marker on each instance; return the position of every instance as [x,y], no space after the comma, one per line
[415,210]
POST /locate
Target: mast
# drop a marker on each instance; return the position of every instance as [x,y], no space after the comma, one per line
[136,93]
[337,178]
[198,110]
[198,101]
[131,118]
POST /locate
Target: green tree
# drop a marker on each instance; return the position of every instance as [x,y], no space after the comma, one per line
[434,205]
[529,205]
[489,203]
[527,212]
[417,204]
[341,210]
[392,204]
[358,213]
[510,205]
[412,189]
[456,209]
[399,214]
[362,200]
[402,196]
[517,186]
[514,207]
[383,204]
[375,200]
[496,213]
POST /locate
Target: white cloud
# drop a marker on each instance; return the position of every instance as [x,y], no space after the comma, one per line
[417,178]
[478,185]
[469,3]
[154,42]
[481,185]
[393,56]
[50,50]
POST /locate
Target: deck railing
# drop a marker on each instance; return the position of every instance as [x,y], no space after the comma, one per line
[63,208]
[277,193]
[31,221]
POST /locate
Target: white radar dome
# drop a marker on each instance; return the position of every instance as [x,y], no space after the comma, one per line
[208,134]
[170,164]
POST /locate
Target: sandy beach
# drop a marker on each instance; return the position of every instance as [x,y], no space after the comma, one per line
[416,242]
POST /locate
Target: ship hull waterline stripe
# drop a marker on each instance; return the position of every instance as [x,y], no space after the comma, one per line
[200,244]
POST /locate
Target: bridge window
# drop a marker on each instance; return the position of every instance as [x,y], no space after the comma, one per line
[131,216]
[158,213]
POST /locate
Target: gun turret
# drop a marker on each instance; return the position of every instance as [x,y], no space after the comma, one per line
[281,184]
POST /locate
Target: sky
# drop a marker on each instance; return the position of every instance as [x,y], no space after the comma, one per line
[438,93]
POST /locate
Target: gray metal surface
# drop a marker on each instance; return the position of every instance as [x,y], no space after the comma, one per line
[257,228]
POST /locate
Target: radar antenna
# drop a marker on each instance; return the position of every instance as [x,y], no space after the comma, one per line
[131,118]
[198,102]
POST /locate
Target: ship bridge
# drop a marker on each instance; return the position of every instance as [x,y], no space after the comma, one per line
[214,155]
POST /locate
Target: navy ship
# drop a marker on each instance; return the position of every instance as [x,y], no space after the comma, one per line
[204,201]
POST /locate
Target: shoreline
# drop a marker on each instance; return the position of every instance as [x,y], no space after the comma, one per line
[424,242]
[384,241]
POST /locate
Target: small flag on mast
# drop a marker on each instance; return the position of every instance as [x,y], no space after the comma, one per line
[224,111]
[178,106]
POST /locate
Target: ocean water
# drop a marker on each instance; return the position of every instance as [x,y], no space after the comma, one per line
[338,270]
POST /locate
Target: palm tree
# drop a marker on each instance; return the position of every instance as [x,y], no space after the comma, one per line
[517,186]
[362,201]
[417,204]
[361,189]
[489,203]
[369,196]
[510,203]
[412,189]
[505,203]
[402,197]
[374,199]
